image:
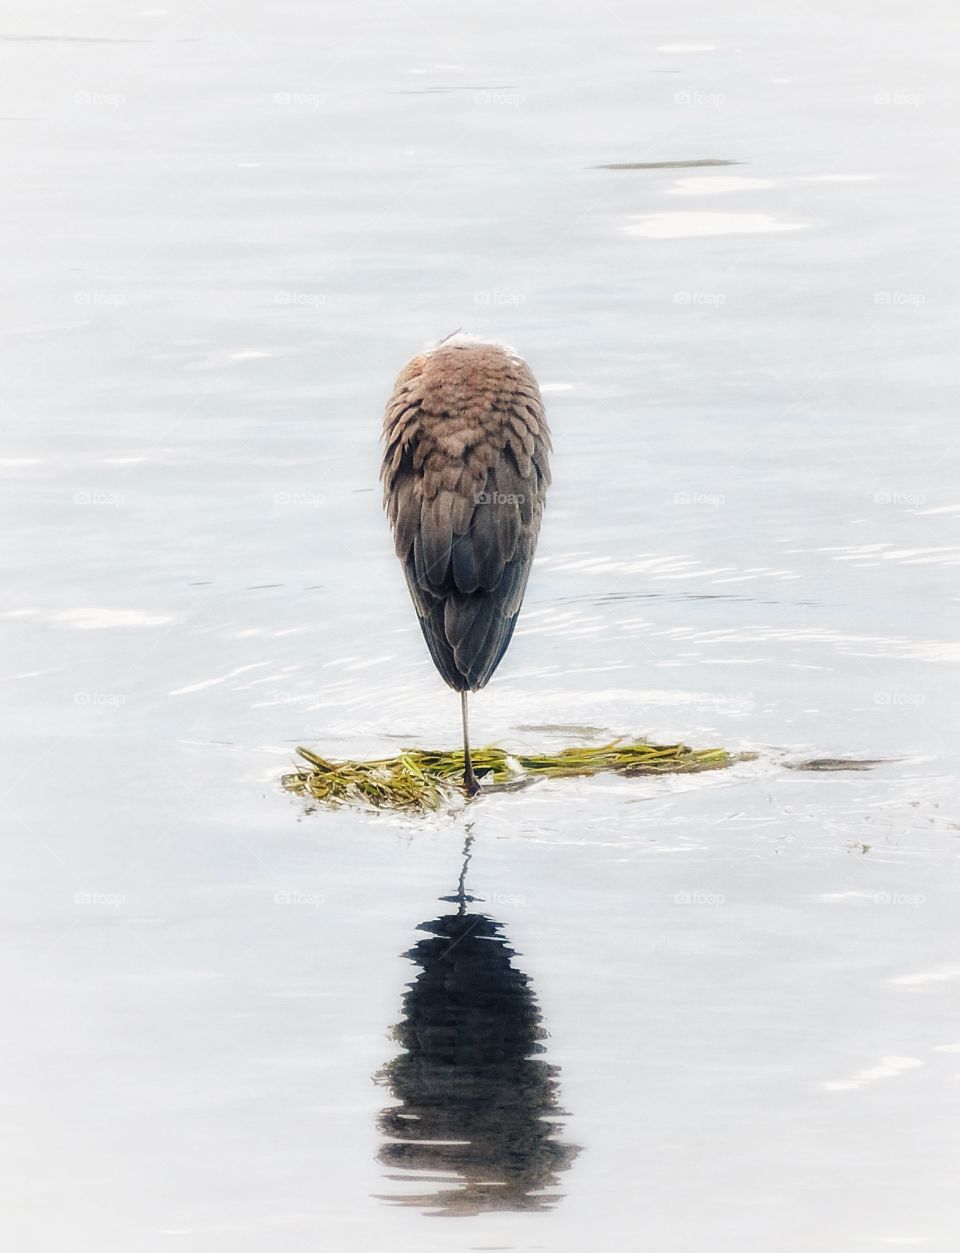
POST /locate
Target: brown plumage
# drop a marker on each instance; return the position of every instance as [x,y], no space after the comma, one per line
[465,472]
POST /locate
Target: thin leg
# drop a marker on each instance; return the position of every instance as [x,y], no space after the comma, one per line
[470,784]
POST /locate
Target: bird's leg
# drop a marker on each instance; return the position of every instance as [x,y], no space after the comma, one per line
[470,784]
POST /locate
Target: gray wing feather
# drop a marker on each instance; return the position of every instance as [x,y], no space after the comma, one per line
[467,555]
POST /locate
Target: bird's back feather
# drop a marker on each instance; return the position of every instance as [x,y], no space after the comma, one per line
[465,472]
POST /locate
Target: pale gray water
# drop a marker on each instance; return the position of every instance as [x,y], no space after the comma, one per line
[225,228]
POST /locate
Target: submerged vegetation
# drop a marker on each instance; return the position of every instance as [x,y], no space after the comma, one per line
[421,780]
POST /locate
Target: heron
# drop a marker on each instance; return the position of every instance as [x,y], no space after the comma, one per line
[465,473]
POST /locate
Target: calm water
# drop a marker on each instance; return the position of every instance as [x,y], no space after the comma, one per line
[716,1012]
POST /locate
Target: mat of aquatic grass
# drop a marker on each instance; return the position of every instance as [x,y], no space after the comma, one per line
[425,779]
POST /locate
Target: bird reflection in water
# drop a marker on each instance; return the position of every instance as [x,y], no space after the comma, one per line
[478,1108]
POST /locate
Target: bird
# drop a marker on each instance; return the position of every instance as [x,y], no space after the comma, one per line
[465,473]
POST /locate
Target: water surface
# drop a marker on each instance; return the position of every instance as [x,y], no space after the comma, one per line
[705,1011]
